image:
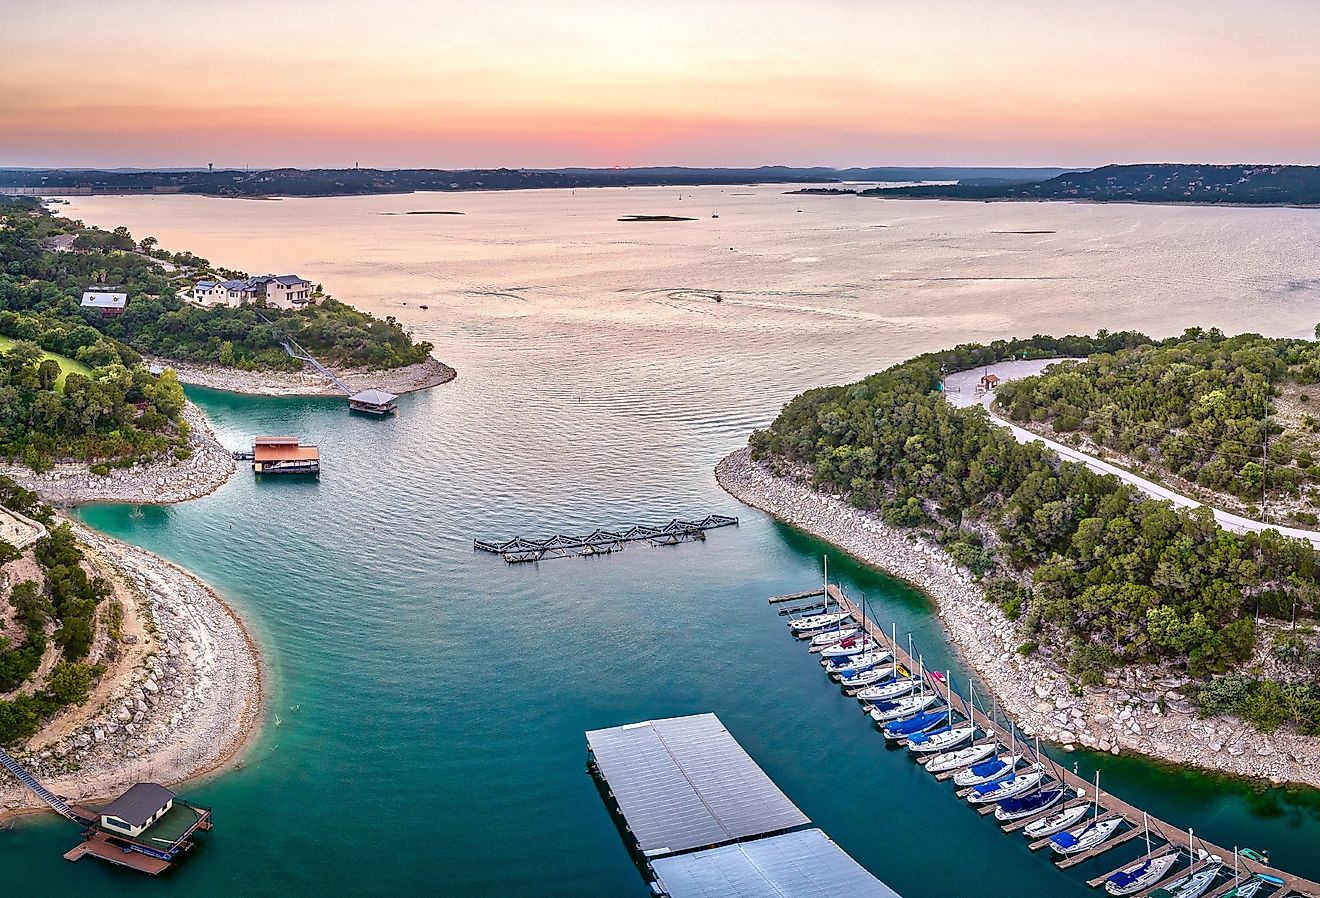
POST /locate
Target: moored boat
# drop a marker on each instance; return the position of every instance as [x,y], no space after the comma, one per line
[817,622]
[1193,885]
[1026,805]
[1011,785]
[941,740]
[883,712]
[1085,837]
[853,645]
[859,679]
[902,729]
[963,757]
[1140,876]
[830,637]
[1056,823]
[883,692]
[986,771]
[854,663]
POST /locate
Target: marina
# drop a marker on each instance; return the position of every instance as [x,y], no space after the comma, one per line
[602,542]
[706,822]
[1200,867]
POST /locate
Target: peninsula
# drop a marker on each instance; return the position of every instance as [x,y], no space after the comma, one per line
[1101,616]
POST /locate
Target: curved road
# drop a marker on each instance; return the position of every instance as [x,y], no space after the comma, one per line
[960,389]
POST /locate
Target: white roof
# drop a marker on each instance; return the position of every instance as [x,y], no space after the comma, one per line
[373,397]
[802,864]
[98,300]
[686,783]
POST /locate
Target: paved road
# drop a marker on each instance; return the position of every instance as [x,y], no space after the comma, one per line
[960,389]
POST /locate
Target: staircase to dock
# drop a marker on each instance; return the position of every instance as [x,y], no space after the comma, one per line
[59,805]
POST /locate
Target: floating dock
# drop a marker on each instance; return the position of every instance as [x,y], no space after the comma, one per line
[284,455]
[1109,806]
[601,542]
[706,820]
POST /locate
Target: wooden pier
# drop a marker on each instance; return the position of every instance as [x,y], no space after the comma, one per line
[602,542]
[1176,839]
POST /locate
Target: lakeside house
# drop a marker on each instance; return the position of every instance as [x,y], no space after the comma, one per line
[283,291]
[61,243]
[110,304]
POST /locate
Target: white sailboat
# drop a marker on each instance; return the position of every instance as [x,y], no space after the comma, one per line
[1143,874]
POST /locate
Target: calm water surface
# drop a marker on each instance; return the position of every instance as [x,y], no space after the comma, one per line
[432,701]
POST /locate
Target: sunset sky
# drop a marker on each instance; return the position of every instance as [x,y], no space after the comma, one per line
[692,82]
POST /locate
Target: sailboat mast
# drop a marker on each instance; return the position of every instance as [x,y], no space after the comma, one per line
[1097,795]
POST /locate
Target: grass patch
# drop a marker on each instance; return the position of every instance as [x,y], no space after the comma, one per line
[66,364]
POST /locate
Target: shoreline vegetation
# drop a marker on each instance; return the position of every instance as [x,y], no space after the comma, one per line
[1143,712]
[408,379]
[1104,616]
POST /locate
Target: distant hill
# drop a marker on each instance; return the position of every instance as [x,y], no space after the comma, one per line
[1157,183]
[358,181]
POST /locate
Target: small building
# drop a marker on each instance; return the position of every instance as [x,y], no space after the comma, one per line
[987,382]
[145,829]
[373,402]
[284,455]
[109,304]
[142,805]
[287,291]
[210,293]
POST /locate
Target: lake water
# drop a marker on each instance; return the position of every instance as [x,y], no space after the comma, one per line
[432,701]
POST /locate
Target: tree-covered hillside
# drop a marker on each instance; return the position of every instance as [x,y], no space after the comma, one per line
[46,287]
[1226,414]
[1096,574]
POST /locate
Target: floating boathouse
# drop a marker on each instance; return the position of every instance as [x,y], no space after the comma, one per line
[373,402]
[284,455]
[704,821]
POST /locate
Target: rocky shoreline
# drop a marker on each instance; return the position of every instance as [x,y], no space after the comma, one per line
[158,483]
[186,708]
[409,379]
[1140,712]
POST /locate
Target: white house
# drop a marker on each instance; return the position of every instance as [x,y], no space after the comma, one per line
[285,291]
[109,304]
[138,808]
[210,293]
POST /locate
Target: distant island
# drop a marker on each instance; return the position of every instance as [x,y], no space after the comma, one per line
[364,181]
[656,218]
[1256,185]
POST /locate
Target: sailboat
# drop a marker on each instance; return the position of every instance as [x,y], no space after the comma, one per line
[1027,805]
[1056,823]
[1193,885]
[818,623]
[1089,835]
[853,645]
[899,708]
[888,691]
[830,637]
[963,757]
[1255,881]
[1007,787]
[946,737]
[837,667]
[1144,873]
[992,769]
[902,729]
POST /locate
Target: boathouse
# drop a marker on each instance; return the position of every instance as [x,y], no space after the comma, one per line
[373,402]
[137,809]
[284,455]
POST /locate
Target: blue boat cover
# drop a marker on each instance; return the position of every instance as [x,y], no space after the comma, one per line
[1124,878]
[985,768]
[914,724]
[1064,840]
[926,737]
[1027,802]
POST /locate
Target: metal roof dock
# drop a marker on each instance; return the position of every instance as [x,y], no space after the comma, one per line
[707,822]
[804,864]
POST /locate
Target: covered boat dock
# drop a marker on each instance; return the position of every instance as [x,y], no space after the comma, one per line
[707,822]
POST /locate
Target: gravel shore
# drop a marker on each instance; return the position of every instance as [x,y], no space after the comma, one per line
[1139,711]
[421,376]
[186,709]
[159,483]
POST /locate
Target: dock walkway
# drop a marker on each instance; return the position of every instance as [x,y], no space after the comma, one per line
[1175,836]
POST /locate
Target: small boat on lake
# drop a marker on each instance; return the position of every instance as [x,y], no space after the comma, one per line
[1193,885]
[1085,837]
[993,769]
[817,622]
[853,663]
[963,757]
[997,790]
[884,712]
[859,679]
[1144,873]
[1056,823]
[1027,805]
[853,645]
[902,729]
[884,692]
[941,740]
[829,637]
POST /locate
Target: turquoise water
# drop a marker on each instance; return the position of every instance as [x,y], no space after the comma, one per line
[433,700]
